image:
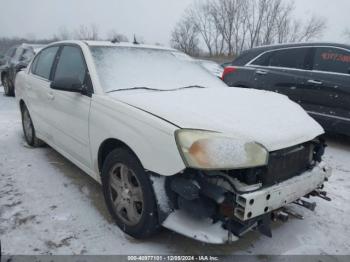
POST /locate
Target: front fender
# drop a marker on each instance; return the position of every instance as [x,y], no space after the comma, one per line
[149,137]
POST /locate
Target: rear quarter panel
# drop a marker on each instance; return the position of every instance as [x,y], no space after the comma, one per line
[242,77]
[20,81]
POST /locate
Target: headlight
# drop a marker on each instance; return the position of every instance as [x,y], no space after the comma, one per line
[210,150]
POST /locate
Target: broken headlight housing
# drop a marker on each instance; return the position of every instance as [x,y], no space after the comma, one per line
[214,151]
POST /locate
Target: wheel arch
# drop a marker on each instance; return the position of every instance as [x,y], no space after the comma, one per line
[107,146]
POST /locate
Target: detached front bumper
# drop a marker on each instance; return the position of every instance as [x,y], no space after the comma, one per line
[248,206]
[268,199]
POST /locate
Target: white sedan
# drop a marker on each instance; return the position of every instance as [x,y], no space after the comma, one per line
[170,143]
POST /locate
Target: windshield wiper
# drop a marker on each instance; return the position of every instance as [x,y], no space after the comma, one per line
[155,89]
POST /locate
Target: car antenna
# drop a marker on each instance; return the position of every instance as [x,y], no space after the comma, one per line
[135,41]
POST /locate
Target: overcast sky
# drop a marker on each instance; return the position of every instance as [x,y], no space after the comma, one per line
[151,19]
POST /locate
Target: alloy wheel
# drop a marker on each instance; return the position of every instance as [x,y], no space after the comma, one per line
[126,194]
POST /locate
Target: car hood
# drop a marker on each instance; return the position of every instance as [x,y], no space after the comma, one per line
[265,117]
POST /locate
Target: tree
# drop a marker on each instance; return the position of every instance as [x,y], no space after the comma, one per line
[231,26]
[313,28]
[113,35]
[185,37]
[85,32]
[63,34]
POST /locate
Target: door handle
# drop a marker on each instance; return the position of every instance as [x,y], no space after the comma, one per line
[261,72]
[50,96]
[315,82]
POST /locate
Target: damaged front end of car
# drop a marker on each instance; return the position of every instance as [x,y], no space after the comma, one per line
[221,205]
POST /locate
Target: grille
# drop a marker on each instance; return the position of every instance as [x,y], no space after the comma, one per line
[287,163]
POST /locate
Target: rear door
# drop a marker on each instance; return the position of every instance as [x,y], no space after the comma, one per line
[284,71]
[331,78]
[69,111]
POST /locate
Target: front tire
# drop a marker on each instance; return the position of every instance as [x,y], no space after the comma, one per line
[129,195]
[29,130]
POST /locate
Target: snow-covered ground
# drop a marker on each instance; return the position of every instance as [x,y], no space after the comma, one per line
[49,206]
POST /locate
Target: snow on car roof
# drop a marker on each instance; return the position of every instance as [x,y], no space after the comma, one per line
[110,44]
[127,44]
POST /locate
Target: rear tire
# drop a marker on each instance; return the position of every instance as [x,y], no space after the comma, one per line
[8,88]
[129,195]
[29,130]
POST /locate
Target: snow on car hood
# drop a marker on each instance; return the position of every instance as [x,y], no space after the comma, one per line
[265,117]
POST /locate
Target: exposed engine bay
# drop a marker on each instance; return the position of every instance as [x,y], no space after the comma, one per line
[221,206]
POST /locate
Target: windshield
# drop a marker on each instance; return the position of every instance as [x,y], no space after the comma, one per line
[125,68]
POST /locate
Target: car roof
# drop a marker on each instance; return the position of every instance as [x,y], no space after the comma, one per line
[112,44]
[250,54]
[310,44]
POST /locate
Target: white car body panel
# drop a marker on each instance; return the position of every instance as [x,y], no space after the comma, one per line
[237,112]
[137,129]
[142,125]
[77,125]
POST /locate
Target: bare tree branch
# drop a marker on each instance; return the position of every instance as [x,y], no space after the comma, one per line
[231,26]
[85,32]
[185,37]
[113,35]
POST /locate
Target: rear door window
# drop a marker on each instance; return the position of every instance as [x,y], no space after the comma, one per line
[290,58]
[262,60]
[330,59]
[43,62]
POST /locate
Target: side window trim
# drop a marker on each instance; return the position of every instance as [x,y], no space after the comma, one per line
[55,62]
[270,53]
[250,63]
[34,64]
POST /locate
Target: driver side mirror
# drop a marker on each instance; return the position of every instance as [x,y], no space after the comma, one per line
[69,84]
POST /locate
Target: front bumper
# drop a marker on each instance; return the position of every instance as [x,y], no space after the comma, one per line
[268,199]
[249,206]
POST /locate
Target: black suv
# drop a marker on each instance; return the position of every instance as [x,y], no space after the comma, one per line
[16,58]
[315,75]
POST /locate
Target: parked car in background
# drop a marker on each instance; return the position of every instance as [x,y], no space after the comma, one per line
[15,59]
[211,66]
[224,65]
[315,75]
[2,60]
[171,144]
